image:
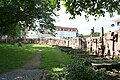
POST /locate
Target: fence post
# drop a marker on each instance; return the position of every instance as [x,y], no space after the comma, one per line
[91,36]
[102,46]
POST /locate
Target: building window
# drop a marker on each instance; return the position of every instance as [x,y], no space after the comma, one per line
[112,25]
[62,29]
[118,23]
[65,29]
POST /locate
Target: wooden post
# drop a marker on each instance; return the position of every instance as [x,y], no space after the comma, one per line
[114,37]
[79,43]
[20,42]
[91,35]
[113,47]
[91,47]
[102,46]
[96,46]
[68,43]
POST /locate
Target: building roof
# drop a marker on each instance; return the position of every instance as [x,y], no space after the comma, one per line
[66,28]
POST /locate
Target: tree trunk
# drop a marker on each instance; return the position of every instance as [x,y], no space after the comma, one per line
[20,42]
[13,40]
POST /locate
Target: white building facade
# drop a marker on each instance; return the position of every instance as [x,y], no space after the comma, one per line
[36,34]
[115,23]
[61,32]
[65,32]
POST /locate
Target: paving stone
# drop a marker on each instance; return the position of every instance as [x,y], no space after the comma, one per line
[34,74]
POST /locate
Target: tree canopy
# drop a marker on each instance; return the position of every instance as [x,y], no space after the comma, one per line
[80,35]
[96,34]
[96,8]
[25,14]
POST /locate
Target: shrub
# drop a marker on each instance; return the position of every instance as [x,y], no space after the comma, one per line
[81,70]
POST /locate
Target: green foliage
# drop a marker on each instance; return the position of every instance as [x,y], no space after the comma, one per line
[13,30]
[96,34]
[80,35]
[81,69]
[86,35]
[55,4]
[25,14]
[96,8]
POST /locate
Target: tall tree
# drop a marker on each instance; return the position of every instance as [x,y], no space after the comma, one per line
[26,13]
[18,15]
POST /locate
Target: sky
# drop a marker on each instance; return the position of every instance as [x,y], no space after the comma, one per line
[81,23]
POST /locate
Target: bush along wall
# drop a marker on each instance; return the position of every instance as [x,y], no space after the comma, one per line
[81,69]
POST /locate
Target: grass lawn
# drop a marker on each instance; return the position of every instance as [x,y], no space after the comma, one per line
[13,57]
[53,58]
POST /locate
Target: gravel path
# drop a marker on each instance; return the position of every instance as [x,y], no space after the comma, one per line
[34,62]
[30,71]
[34,74]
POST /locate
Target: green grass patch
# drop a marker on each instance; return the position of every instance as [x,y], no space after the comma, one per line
[53,58]
[13,57]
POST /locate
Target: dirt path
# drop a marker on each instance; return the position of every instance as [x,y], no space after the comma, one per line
[34,62]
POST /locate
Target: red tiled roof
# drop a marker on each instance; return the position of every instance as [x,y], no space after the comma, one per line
[66,28]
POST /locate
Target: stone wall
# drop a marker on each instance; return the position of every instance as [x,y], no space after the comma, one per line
[108,43]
